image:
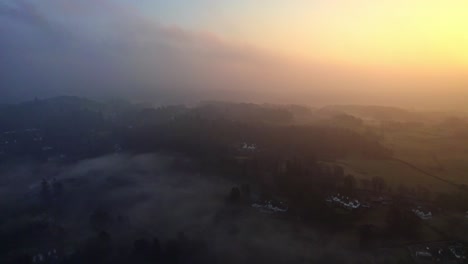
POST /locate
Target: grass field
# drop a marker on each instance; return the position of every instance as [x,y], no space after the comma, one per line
[377,217]
[395,174]
[434,150]
[454,225]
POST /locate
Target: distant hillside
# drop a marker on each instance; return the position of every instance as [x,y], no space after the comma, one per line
[378,113]
[388,113]
[246,112]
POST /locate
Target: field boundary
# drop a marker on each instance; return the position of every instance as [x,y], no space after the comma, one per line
[454,184]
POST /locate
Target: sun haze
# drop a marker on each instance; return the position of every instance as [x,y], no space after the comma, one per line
[319,51]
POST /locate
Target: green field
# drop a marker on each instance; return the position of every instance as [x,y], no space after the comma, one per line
[436,151]
[395,174]
[430,148]
[454,225]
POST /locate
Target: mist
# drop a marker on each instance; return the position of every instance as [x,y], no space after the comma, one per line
[233,131]
[151,198]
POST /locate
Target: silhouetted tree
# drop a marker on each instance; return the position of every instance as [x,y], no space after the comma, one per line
[423,192]
[349,184]
[402,222]
[45,191]
[338,171]
[57,187]
[142,250]
[104,238]
[156,249]
[22,259]
[402,190]
[172,252]
[453,201]
[245,190]
[100,219]
[97,249]
[366,184]
[366,234]
[234,195]
[378,183]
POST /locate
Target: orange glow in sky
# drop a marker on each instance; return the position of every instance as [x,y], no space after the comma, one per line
[307,51]
[423,33]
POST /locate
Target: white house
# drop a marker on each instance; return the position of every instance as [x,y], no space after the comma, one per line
[421,214]
[346,202]
[249,147]
[270,207]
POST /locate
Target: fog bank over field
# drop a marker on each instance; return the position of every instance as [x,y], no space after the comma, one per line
[142,187]
[157,200]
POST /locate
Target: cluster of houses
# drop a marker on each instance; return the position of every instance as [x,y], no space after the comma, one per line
[381,200]
[438,252]
[47,148]
[248,147]
[421,214]
[346,202]
[28,130]
[12,137]
[271,207]
[49,257]
[11,140]
[458,252]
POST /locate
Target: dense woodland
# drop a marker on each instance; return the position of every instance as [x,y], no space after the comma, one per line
[80,128]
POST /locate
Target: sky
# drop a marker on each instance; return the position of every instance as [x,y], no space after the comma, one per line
[372,31]
[412,53]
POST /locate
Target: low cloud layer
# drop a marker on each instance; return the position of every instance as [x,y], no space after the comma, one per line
[110,49]
[99,48]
